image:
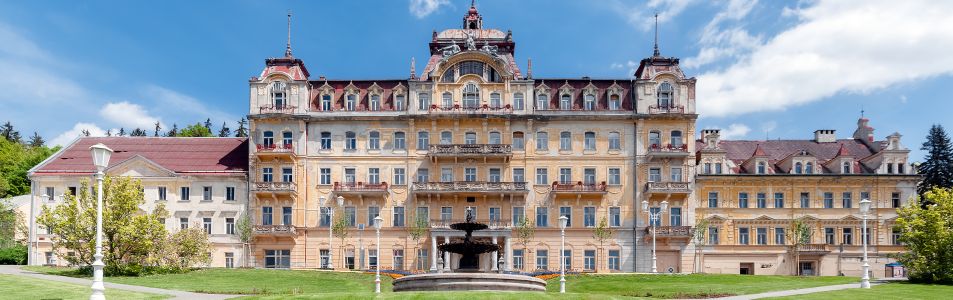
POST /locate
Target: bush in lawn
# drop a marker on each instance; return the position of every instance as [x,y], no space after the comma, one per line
[15,255]
[927,232]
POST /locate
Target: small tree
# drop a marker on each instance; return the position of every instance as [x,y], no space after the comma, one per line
[417,229]
[243,228]
[800,234]
[927,234]
[36,140]
[187,248]
[602,233]
[937,170]
[698,238]
[525,232]
[224,132]
[241,131]
[195,130]
[340,226]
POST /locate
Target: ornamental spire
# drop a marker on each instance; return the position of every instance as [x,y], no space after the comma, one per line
[288,46]
[656,52]
[413,68]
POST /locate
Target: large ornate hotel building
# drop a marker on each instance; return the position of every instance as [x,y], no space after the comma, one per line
[473,132]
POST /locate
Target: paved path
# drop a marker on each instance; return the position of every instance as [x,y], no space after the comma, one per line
[799,291]
[15,270]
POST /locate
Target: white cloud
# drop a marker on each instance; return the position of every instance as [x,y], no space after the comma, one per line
[720,43]
[643,16]
[423,8]
[735,131]
[838,47]
[129,115]
[629,66]
[66,137]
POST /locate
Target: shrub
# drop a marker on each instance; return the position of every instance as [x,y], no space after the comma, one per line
[16,255]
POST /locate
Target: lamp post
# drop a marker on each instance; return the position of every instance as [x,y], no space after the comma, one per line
[562,251]
[653,218]
[100,155]
[378,222]
[864,209]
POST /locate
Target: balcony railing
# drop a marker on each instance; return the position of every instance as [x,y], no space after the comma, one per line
[579,187]
[470,186]
[470,149]
[668,187]
[358,187]
[669,231]
[273,230]
[483,109]
[492,223]
[275,148]
[655,109]
[813,248]
[683,148]
[277,109]
[277,186]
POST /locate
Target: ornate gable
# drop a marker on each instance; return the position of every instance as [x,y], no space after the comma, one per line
[139,166]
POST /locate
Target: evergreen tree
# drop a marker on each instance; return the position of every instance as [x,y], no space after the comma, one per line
[158,128]
[122,132]
[174,131]
[937,170]
[138,132]
[241,131]
[109,132]
[208,124]
[9,133]
[85,132]
[225,132]
[36,140]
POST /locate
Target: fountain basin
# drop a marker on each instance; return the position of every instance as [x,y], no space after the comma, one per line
[469,282]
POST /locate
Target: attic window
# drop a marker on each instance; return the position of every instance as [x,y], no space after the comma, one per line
[846,167]
[762,168]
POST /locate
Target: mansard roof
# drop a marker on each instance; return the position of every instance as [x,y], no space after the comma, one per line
[577,87]
[775,151]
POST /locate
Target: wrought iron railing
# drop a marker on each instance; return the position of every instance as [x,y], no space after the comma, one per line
[670,231]
[276,186]
[275,148]
[274,229]
[470,186]
[471,149]
[458,109]
[359,187]
[277,109]
[667,187]
[668,148]
[578,187]
[655,109]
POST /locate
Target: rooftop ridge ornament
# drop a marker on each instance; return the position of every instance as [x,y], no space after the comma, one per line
[288,46]
[413,68]
[656,51]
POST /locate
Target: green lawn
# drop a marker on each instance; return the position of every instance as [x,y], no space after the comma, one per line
[20,287]
[688,286]
[885,292]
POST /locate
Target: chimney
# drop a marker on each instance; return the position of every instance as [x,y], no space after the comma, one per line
[824,136]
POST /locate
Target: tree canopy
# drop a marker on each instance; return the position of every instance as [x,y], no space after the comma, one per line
[195,130]
[927,232]
[937,170]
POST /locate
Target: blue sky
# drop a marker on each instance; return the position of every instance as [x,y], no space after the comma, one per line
[766,69]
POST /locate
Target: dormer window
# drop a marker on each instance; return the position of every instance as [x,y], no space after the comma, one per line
[518,101]
[762,168]
[423,101]
[542,102]
[798,168]
[665,95]
[900,168]
[375,104]
[399,102]
[845,167]
[590,102]
[565,102]
[809,168]
[889,168]
[326,102]
[351,102]
[615,103]
[471,96]
[278,94]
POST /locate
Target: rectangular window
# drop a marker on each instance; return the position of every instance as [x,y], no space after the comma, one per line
[718,168]
[518,259]
[422,259]
[655,175]
[712,199]
[565,175]
[742,200]
[895,237]
[229,225]
[399,102]
[589,142]
[446,213]
[266,214]
[519,214]
[423,213]
[864,195]
[206,193]
[374,175]
[398,216]
[615,176]
[805,200]
[675,216]
[542,176]
[542,141]
[350,175]
[518,102]
[567,259]
[615,216]
[372,212]
[324,175]
[183,223]
[325,140]
[207,225]
[423,175]
[324,217]
[829,236]
[762,200]
[518,143]
[400,176]
[400,141]
[846,200]
[267,174]
[778,200]
[350,214]
[325,256]
[589,176]
[372,258]
[744,237]
[278,259]
[566,211]
[565,141]
[230,193]
[779,237]
[229,260]
[162,193]
[713,235]
[614,260]
[518,175]
[495,215]
[589,216]
[446,174]
[865,235]
[589,260]
[828,200]
[895,200]
[423,140]
[398,259]
[762,236]
[542,217]
[286,215]
[848,236]
[184,193]
[470,174]
[542,259]
[286,175]
[50,193]
[676,174]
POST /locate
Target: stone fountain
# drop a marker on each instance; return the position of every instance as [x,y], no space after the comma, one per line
[468,277]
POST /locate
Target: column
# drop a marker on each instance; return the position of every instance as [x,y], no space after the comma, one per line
[446,256]
[495,259]
[433,253]
[507,255]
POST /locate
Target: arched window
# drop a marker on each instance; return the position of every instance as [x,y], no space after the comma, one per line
[677,138]
[495,100]
[471,67]
[615,142]
[495,138]
[286,138]
[470,138]
[565,140]
[375,102]
[326,102]
[615,103]
[655,139]
[447,75]
[518,101]
[665,95]
[565,102]
[471,96]
[846,167]
[447,100]
[400,141]
[350,140]
[542,140]
[542,102]
[351,103]
[798,168]
[423,101]
[268,138]
[590,102]
[589,140]
[762,168]
[446,138]
[518,141]
[809,168]
[423,140]
[278,94]
[374,140]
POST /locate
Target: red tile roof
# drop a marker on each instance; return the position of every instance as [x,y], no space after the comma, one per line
[190,156]
[777,150]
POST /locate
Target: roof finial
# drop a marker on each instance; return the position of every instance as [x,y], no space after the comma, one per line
[288,47]
[656,52]
[413,68]
[861,111]
[472,3]
[529,68]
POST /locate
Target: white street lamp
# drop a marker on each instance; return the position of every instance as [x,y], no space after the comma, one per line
[378,222]
[562,251]
[101,155]
[653,219]
[864,209]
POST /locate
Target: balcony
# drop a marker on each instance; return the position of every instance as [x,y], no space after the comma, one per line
[808,249]
[470,187]
[276,151]
[492,223]
[277,109]
[360,188]
[669,232]
[579,188]
[668,188]
[273,230]
[655,109]
[470,110]
[667,151]
[581,111]
[484,151]
[275,189]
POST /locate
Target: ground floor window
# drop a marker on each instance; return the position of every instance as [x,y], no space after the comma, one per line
[398,259]
[278,259]
[50,259]
[589,260]
[422,259]
[614,261]
[518,259]
[372,259]
[349,259]
[542,259]
[567,259]
[229,260]
[325,258]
